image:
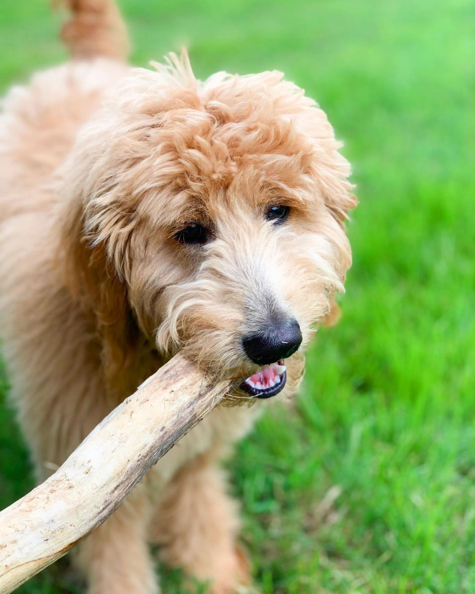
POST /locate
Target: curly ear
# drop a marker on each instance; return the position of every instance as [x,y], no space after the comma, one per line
[328,167]
[92,280]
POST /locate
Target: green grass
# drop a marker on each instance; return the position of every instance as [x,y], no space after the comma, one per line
[386,412]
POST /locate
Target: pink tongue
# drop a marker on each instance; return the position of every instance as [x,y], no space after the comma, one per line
[265,377]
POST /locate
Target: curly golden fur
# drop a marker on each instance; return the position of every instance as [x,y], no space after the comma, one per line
[101,165]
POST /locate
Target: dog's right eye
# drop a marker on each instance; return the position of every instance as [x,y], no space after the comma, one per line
[193,234]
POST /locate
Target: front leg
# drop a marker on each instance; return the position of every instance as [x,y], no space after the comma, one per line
[197,524]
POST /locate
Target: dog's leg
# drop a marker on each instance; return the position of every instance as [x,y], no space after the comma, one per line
[197,525]
[115,558]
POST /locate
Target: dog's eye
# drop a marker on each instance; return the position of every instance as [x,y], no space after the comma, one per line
[278,213]
[193,234]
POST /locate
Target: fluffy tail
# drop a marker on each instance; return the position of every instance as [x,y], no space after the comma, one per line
[95,29]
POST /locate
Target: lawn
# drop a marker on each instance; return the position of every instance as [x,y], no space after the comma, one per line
[368,485]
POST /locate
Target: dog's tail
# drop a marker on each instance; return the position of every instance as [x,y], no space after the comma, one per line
[95,29]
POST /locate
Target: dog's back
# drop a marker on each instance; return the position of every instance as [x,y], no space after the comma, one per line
[39,121]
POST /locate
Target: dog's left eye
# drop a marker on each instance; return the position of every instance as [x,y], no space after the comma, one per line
[193,234]
[278,213]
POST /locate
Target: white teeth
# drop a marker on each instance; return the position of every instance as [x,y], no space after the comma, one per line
[279,369]
[268,384]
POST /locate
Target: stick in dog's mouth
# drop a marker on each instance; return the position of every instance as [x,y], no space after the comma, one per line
[267,382]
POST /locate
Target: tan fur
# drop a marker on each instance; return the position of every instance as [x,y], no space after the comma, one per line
[197,525]
[100,166]
[95,29]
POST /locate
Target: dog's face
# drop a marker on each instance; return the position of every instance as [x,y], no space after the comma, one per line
[220,207]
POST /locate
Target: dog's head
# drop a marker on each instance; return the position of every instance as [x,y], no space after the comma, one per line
[211,216]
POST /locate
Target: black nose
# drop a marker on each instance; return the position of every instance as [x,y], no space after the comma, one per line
[275,341]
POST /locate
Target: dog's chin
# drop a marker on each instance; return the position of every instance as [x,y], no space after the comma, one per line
[267,382]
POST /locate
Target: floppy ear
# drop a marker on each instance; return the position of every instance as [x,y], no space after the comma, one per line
[328,167]
[90,276]
[331,171]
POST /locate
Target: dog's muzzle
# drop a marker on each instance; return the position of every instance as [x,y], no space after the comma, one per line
[275,341]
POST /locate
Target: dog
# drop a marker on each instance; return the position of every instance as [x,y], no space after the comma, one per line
[144,212]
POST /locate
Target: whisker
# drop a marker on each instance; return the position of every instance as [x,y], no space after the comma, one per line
[232,397]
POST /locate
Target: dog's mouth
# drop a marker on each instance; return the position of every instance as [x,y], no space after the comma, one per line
[267,382]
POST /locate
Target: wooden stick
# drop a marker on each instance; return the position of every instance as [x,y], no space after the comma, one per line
[40,528]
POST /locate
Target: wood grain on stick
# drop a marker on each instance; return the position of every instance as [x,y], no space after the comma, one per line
[38,529]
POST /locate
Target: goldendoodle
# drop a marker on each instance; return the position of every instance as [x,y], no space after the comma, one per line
[145,212]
